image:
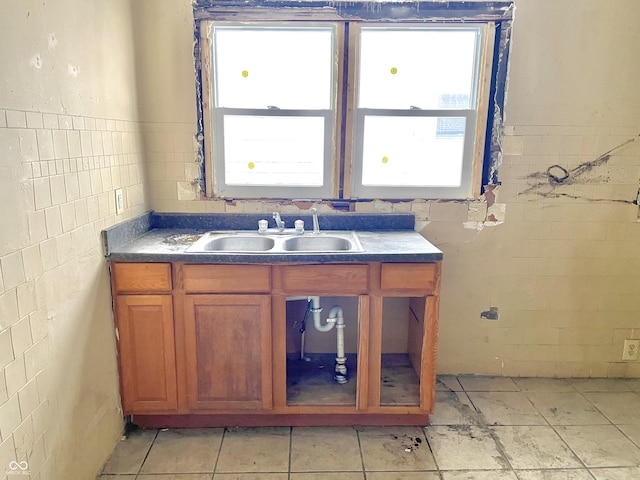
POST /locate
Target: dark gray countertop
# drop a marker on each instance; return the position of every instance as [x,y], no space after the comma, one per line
[166,237]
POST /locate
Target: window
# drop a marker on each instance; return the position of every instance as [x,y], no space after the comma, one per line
[273,109]
[305,105]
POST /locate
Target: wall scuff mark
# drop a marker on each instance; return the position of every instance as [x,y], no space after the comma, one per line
[492,314]
[545,183]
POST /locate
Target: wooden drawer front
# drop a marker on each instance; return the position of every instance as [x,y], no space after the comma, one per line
[227,278]
[141,277]
[408,276]
[317,279]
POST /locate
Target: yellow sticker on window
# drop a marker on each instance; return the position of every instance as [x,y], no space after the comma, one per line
[251,165]
[245,74]
[394,70]
[385,159]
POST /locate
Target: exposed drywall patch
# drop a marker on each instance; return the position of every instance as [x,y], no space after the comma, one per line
[496,214]
[36,61]
[73,71]
[52,40]
[486,213]
[492,314]
[549,183]
[186,191]
[473,225]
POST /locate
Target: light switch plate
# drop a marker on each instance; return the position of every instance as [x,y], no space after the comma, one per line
[119,201]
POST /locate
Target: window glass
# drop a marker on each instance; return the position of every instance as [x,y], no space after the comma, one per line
[427,69]
[279,150]
[288,68]
[412,151]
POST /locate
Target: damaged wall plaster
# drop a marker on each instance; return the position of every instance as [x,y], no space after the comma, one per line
[547,183]
[492,314]
[487,213]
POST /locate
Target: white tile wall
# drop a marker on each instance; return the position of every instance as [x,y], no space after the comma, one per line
[70,166]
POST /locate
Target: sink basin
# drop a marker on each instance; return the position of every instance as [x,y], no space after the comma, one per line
[239,243]
[317,244]
[287,243]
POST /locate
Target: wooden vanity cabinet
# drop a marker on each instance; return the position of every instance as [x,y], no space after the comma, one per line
[204,345]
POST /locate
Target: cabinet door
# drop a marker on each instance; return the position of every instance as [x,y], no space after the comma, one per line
[227,340]
[147,353]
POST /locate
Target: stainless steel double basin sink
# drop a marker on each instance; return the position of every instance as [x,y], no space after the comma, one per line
[275,242]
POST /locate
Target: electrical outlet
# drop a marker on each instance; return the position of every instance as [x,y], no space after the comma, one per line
[630,351]
[119,201]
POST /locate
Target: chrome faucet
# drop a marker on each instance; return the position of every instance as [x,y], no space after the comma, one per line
[279,222]
[316,225]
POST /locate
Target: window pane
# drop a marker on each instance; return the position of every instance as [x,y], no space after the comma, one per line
[428,69]
[413,151]
[274,151]
[287,68]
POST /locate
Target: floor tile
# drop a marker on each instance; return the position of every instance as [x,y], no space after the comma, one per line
[479,475]
[563,474]
[535,447]
[506,408]
[251,476]
[599,385]
[117,477]
[616,473]
[632,383]
[324,476]
[176,476]
[321,449]
[130,452]
[488,384]
[184,451]
[465,447]
[453,408]
[621,408]
[403,476]
[631,431]
[566,408]
[448,382]
[260,449]
[395,449]
[544,385]
[600,445]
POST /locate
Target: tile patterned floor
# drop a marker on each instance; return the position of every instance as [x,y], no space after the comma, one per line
[484,428]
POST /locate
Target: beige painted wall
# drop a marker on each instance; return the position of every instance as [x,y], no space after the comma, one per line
[69,135]
[561,265]
[87,99]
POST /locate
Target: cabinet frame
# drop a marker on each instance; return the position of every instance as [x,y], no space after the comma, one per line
[270,285]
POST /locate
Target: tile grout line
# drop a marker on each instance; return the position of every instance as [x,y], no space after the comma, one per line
[482,424]
[364,470]
[553,427]
[435,460]
[290,452]
[155,437]
[616,425]
[215,463]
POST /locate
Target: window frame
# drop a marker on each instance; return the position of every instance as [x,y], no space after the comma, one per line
[497,16]
[476,122]
[216,162]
